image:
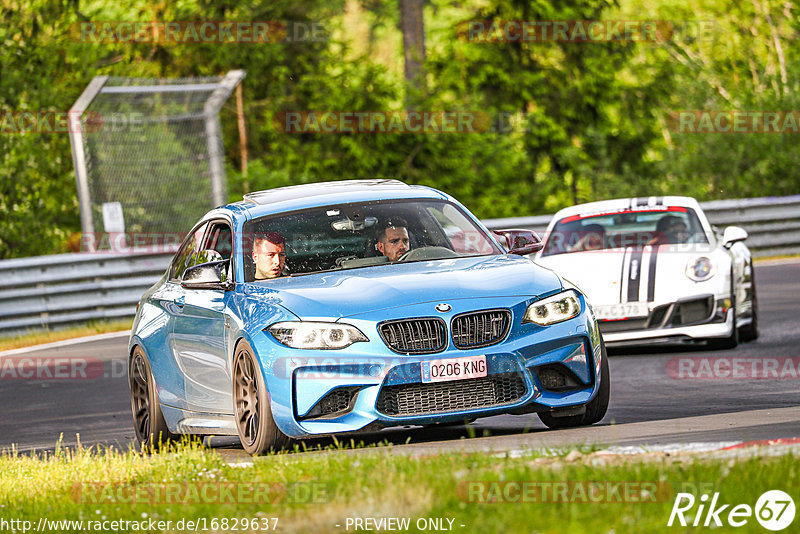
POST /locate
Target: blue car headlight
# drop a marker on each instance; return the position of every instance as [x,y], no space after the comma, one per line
[312,335]
[554,309]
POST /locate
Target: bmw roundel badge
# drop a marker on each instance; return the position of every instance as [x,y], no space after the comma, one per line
[443,307]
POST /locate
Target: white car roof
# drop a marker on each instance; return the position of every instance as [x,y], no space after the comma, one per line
[625,204]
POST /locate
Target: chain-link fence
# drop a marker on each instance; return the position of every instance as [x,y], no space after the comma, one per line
[148,154]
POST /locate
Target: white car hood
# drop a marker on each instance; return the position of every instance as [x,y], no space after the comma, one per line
[652,274]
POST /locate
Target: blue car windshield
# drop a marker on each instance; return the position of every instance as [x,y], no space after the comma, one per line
[368,234]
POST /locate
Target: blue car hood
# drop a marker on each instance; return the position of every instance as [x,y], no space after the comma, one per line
[357,291]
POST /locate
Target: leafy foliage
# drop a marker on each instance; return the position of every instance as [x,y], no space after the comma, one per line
[570,121]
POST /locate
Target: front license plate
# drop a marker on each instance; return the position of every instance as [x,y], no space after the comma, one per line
[627,310]
[454,369]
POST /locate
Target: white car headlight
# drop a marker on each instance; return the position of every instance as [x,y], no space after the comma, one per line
[700,269]
[560,307]
[310,335]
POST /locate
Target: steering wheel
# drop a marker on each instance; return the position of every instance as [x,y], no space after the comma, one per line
[428,253]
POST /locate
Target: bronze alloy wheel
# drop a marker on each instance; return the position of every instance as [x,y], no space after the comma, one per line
[148,421]
[257,429]
[140,396]
[246,388]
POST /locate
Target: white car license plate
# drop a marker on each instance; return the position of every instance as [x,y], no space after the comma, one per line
[627,310]
[454,369]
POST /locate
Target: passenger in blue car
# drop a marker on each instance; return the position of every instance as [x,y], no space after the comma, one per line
[393,240]
[269,255]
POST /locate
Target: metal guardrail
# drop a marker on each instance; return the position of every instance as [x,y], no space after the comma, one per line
[49,291]
[54,290]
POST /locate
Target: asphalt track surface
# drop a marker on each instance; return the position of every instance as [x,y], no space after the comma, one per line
[651,403]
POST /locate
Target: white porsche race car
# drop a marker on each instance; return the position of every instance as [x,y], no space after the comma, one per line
[655,271]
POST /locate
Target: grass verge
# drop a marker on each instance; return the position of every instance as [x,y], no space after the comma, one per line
[37,337]
[315,492]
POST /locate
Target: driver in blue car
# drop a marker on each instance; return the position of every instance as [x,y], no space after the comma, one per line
[393,239]
[269,255]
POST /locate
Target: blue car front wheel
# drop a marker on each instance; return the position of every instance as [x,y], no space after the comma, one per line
[257,429]
[148,420]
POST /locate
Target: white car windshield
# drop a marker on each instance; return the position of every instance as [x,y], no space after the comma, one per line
[621,229]
[368,234]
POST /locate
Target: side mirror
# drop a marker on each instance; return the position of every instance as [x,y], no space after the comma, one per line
[733,234]
[521,242]
[207,276]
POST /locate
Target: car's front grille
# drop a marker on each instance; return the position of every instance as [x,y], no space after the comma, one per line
[480,329]
[440,397]
[414,336]
[687,312]
[621,325]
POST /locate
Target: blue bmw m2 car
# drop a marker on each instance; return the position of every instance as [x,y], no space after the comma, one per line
[336,307]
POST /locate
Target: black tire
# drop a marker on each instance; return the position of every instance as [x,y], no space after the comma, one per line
[732,340]
[725,343]
[148,420]
[595,408]
[257,429]
[750,332]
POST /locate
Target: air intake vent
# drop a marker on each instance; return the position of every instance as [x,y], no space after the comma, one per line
[556,378]
[480,329]
[336,403]
[414,336]
[693,311]
[440,397]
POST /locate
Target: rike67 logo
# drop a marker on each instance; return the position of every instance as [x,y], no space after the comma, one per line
[774,510]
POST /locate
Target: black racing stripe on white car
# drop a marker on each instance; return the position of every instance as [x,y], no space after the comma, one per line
[651,275]
[659,201]
[623,276]
[634,274]
[642,201]
[644,274]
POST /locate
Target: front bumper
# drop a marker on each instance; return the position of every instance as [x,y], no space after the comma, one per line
[325,392]
[662,328]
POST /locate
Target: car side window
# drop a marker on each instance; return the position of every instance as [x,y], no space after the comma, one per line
[219,239]
[187,254]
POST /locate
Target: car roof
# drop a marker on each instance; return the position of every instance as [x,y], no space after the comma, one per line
[312,195]
[625,204]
